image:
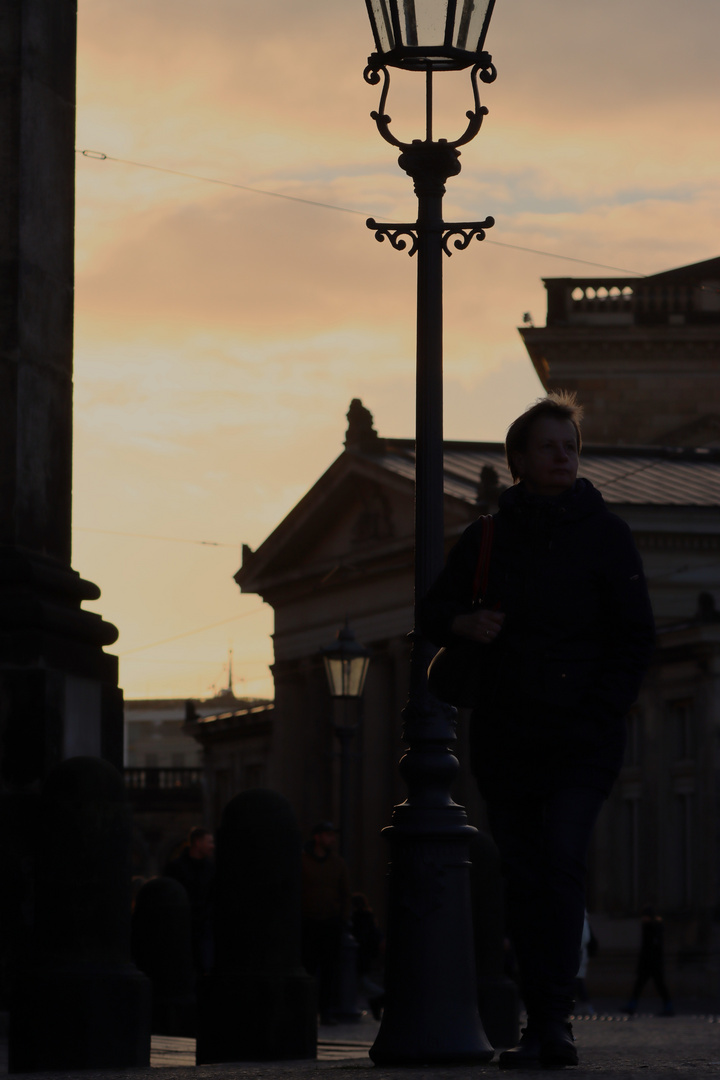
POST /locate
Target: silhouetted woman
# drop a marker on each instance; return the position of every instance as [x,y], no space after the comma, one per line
[563,637]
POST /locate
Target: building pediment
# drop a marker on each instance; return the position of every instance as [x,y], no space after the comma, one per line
[355,511]
[361,512]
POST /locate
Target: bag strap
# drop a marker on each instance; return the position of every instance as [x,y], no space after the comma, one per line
[483,564]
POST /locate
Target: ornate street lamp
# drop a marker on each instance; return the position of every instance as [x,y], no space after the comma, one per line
[346,664]
[431,1014]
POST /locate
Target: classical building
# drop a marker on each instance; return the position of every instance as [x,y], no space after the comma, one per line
[634,351]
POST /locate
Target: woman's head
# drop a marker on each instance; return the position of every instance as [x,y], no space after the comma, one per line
[543,444]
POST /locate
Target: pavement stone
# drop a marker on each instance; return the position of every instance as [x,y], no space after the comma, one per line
[610,1045]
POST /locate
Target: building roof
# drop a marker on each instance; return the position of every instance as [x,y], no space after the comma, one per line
[631,476]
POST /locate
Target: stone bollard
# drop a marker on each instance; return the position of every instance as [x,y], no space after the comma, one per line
[258,1003]
[79,1001]
[162,950]
[498,997]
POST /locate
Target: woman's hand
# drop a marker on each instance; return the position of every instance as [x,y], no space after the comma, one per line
[481,626]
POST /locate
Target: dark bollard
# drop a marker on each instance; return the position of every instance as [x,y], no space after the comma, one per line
[498,998]
[162,949]
[259,1003]
[79,1001]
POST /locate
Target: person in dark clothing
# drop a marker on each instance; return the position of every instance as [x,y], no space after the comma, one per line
[194,868]
[562,639]
[325,912]
[651,962]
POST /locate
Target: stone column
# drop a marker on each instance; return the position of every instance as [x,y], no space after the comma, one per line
[58,689]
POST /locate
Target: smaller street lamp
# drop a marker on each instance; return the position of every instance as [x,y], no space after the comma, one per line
[346,663]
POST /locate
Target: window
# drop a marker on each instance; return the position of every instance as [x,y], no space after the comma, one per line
[681,730]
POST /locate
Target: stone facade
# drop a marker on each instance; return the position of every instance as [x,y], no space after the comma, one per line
[642,354]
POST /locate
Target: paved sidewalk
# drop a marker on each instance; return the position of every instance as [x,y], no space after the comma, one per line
[610,1045]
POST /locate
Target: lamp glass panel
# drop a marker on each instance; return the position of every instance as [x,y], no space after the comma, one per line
[346,677]
[380,11]
[424,22]
[357,669]
[333,670]
[469,22]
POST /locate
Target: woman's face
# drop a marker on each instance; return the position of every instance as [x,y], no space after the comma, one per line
[549,463]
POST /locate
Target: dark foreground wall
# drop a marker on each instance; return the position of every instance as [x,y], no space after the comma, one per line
[58,689]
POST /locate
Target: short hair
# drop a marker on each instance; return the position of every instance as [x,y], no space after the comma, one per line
[197,833]
[558,405]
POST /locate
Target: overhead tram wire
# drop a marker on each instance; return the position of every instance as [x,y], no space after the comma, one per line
[189,633]
[98,155]
[147,536]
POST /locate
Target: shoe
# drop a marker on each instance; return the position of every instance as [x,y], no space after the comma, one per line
[526,1055]
[557,1045]
[630,1008]
[667,1009]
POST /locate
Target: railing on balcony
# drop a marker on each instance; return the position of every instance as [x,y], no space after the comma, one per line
[603,301]
[154,779]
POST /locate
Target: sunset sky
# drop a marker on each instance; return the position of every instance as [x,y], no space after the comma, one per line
[220,334]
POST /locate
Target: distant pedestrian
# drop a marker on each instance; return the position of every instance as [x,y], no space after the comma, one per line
[326,909]
[651,962]
[367,933]
[588,949]
[194,868]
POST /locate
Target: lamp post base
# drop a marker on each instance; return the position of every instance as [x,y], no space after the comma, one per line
[431,1015]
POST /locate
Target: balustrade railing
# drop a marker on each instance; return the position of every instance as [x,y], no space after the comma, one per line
[626,300]
[145,779]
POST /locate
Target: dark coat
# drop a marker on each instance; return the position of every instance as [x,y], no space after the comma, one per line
[578,635]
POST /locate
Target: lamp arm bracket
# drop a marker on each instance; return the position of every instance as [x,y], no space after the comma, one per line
[464,231]
[486,71]
[395,233]
[371,75]
[398,234]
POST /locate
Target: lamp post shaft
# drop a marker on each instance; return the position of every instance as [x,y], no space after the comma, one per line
[429,512]
[344,736]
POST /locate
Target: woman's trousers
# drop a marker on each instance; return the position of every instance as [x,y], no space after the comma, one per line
[543,842]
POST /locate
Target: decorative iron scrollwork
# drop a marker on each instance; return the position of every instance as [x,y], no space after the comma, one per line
[395,233]
[398,234]
[372,75]
[484,70]
[464,232]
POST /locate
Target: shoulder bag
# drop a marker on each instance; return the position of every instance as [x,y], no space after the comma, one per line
[453,674]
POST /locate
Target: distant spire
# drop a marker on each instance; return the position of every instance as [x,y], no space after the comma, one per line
[230,682]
